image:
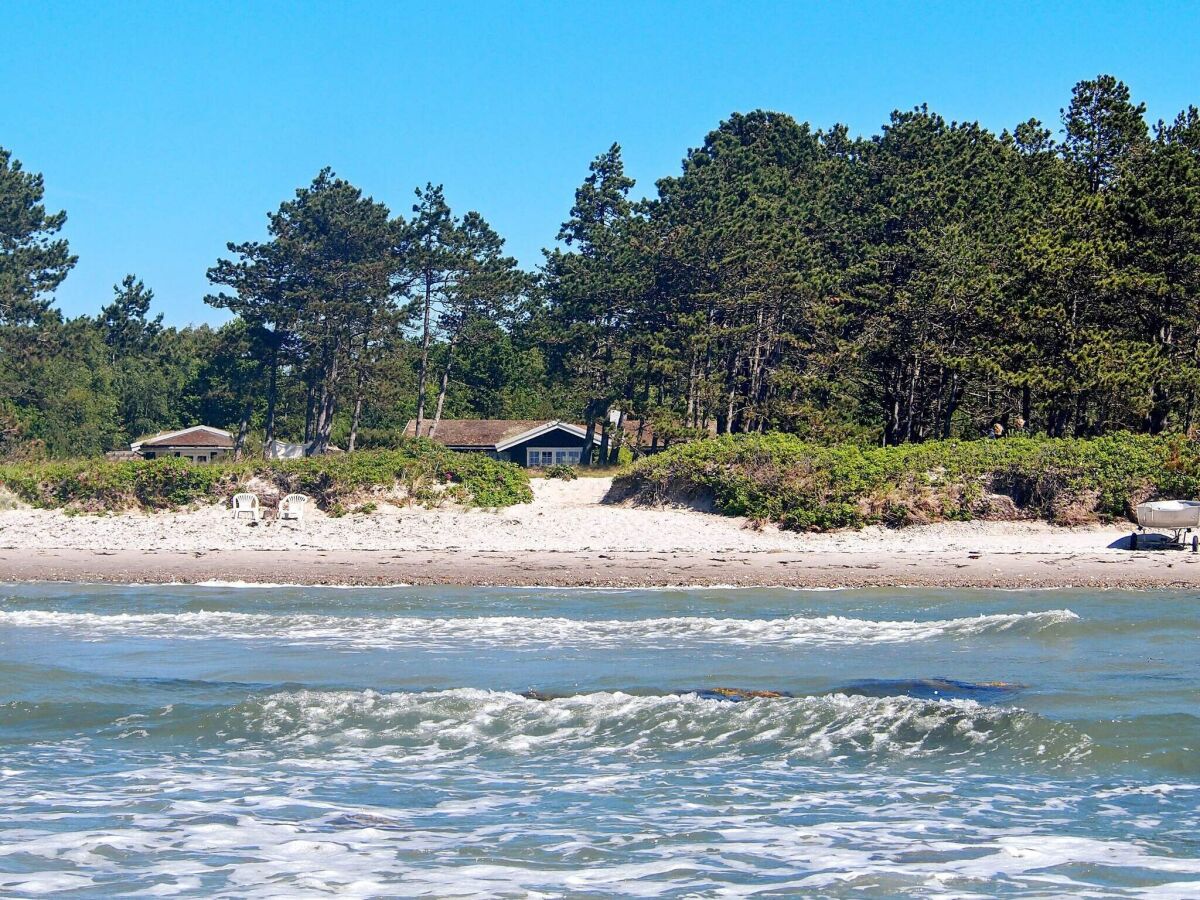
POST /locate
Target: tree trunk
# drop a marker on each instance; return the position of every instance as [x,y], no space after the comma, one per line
[692,413]
[442,388]
[423,372]
[755,374]
[891,425]
[325,409]
[585,455]
[360,382]
[272,394]
[1080,429]
[310,411]
[731,396]
[614,453]
[239,442]
[952,404]
[354,420]
[1056,425]
[602,456]
[910,410]
[1160,409]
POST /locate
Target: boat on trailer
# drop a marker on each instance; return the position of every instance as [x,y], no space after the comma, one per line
[1180,517]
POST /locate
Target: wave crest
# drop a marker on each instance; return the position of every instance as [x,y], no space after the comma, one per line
[387,632]
[835,726]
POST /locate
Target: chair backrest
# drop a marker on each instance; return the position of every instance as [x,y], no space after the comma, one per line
[245,501]
[298,499]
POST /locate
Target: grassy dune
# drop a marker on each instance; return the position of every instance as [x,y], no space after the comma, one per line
[777,478]
[421,471]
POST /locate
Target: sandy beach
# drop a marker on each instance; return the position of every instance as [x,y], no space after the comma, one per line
[568,536]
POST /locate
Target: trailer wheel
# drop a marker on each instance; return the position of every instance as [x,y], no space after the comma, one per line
[1133,542]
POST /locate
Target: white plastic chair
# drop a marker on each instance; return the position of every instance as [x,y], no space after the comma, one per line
[246,505]
[293,506]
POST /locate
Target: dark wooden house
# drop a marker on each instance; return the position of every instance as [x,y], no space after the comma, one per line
[527,442]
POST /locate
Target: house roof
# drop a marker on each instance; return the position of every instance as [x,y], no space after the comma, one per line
[576,431]
[196,436]
[491,434]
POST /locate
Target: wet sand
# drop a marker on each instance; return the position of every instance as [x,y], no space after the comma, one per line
[804,569]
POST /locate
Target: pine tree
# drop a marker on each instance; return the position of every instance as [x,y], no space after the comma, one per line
[589,283]
[33,261]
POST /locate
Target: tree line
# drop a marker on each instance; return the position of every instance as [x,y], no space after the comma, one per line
[932,280]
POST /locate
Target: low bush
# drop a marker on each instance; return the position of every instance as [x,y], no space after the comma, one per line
[802,486]
[561,471]
[419,468]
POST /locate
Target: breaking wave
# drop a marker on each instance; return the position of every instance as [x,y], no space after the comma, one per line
[469,722]
[386,632]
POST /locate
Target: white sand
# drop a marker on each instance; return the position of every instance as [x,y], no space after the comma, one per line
[565,517]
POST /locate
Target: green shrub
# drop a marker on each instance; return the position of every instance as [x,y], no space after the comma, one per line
[336,481]
[561,470]
[803,486]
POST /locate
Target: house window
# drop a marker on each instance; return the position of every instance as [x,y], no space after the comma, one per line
[549,456]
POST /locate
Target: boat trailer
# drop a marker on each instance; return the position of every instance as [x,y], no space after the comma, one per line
[1180,517]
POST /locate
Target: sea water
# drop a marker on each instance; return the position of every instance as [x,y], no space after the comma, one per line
[294,741]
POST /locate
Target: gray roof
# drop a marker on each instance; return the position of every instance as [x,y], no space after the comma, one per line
[477,433]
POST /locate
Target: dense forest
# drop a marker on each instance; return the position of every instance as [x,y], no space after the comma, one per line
[932,280]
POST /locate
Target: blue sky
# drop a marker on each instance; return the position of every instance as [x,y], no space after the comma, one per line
[167,129]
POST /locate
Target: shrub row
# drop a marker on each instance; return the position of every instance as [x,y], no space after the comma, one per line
[801,486]
[425,472]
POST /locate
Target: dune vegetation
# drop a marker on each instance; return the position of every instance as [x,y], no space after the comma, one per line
[418,472]
[802,486]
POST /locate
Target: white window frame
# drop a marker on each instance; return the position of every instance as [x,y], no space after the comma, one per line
[553,452]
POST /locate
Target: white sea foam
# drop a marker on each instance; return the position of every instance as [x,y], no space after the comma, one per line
[222,583]
[239,584]
[485,793]
[831,726]
[464,826]
[397,631]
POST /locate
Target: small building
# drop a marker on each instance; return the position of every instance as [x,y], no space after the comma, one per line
[200,443]
[527,442]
